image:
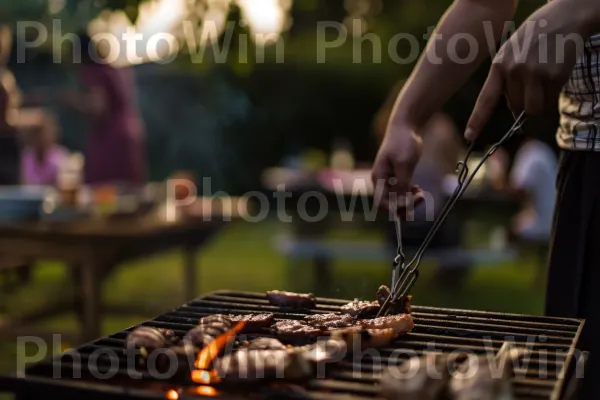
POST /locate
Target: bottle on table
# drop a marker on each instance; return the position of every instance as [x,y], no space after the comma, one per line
[70,178]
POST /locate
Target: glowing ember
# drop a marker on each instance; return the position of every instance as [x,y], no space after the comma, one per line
[210,352]
[202,377]
[172,395]
[206,391]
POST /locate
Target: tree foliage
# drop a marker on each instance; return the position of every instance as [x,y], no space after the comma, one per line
[77,12]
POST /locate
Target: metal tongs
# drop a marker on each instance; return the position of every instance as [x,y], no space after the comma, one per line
[404,275]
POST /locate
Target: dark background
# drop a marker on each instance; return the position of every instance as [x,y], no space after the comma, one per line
[230,123]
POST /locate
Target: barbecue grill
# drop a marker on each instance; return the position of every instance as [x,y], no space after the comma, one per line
[552,342]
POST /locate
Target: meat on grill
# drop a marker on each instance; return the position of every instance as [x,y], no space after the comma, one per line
[209,328]
[375,332]
[361,309]
[476,377]
[325,351]
[254,322]
[291,299]
[251,365]
[292,330]
[357,338]
[325,324]
[418,378]
[396,308]
[216,319]
[177,358]
[263,344]
[329,321]
[401,323]
[147,337]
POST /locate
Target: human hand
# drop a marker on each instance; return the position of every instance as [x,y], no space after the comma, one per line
[394,166]
[534,64]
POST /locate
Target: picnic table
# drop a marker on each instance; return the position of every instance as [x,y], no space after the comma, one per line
[349,199]
[94,247]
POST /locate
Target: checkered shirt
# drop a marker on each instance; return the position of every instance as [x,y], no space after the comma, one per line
[579,102]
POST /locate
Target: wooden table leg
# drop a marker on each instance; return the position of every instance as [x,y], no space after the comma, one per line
[91,285]
[190,273]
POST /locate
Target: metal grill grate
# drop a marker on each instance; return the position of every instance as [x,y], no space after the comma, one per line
[552,340]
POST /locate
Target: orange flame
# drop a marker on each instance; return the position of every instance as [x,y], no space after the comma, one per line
[210,352]
[172,395]
[206,391]
[202,377]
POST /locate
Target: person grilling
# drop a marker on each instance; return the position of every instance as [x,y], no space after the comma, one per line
[440,154]
[548,70]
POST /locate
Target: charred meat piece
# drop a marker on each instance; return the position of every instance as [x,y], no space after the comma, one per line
[418,378]
[252,365]
[361,309]
[358,337]
[291,300]
[216,319]
[264,344]
[208,329]
[397,308]
[178,358]
[329,321]
[146,337]
[292,330]
[254,322]
[400,324]
[476,378]
[331,349]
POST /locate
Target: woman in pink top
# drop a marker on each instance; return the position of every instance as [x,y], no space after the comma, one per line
[114,152]
[42,157]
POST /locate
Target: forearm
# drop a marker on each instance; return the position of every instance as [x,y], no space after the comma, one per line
[588,12]
[440,71]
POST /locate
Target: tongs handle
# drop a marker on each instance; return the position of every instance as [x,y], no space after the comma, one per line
[409,272]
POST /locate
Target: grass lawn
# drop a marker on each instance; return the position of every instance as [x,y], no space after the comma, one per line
[242,257]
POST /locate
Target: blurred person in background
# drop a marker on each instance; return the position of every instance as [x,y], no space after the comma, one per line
[42,156]
[532,179]
[114,152]
[10,100]
[441,151]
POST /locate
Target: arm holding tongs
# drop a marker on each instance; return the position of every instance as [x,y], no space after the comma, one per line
[404,273]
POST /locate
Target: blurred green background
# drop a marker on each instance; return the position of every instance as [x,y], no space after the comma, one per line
[230,117]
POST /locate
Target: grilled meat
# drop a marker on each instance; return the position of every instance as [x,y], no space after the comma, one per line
[361,309]
[402,307]
[263,344]
[292,330]
[254,322]
[357,337]
[217,319]
[209,328]
[329,321]
[477,378]
[147,337]
[418,378]
[324,351]
[252,365]
[400,324]
[291,300]
[324,324]
[178,358]
[376,332]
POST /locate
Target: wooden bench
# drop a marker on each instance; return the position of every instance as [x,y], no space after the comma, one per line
[320,253]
